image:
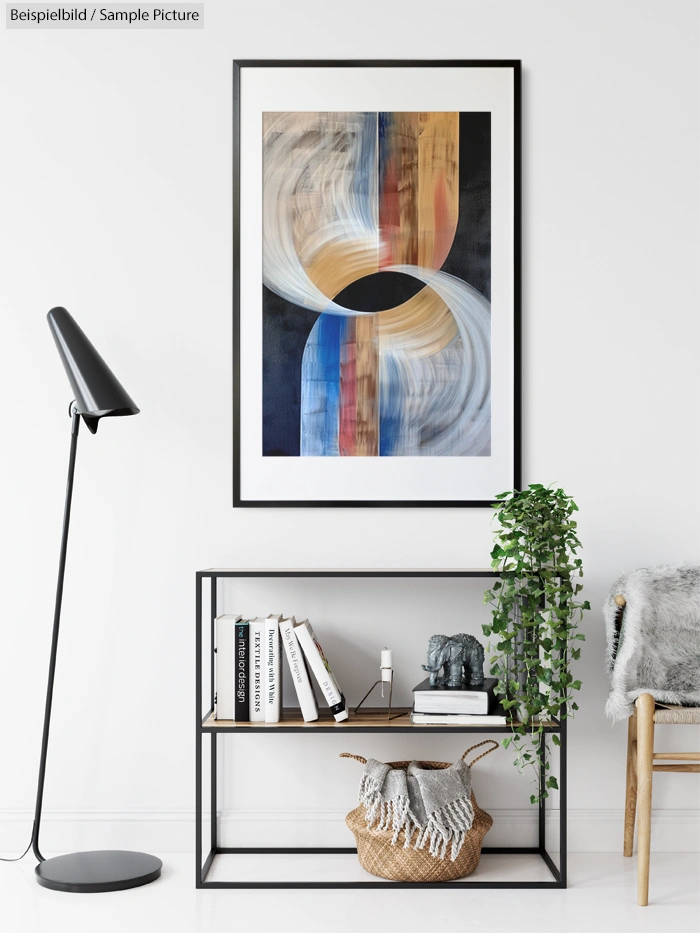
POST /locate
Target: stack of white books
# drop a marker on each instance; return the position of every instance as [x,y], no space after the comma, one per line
[249,669]
[457,706]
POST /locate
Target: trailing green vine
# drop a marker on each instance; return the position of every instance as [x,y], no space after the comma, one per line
[535,614]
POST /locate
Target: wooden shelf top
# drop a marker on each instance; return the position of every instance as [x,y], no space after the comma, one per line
[291,718]
[349,572]
[367,721]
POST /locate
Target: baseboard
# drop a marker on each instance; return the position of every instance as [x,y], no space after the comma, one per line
[173,830]
[77,830]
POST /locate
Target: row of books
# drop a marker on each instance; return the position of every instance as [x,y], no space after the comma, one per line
[458,706]
[249,669]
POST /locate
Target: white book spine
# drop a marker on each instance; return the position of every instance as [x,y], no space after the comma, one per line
[272,670]
[457,720]
[257,680]
[469,707]
[321,670]
[300,676]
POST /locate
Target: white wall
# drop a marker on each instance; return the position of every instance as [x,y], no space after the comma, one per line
[116,203]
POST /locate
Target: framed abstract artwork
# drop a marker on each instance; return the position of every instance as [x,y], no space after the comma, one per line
[376,282]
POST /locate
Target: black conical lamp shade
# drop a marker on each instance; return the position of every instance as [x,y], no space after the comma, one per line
[98,393]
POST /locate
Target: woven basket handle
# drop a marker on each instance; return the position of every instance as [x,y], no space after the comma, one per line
[363,761]
[494,745]
[492,742]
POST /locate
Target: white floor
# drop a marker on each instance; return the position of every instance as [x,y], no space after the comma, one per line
[345,867]
[601,898]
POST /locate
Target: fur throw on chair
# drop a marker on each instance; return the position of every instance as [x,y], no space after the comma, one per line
[657,649]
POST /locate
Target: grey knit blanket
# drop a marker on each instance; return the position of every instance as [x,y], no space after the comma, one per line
[432,805]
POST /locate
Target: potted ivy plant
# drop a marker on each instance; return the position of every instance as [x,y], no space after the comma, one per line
[535,615]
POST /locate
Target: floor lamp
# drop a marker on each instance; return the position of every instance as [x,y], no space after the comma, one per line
[98,394]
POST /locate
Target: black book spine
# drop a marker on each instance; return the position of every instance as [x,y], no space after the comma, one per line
[241,692]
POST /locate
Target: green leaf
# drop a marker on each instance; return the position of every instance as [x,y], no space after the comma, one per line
[552,782]
[555,739]
[535,612]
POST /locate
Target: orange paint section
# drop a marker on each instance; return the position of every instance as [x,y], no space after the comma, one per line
[347,432]
[418,188]
[367,393]
[358,434]
[398,189]
[421,327]
[438,187]
[443,234]
[336,265]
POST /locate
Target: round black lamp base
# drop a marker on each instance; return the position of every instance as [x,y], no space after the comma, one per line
[92,872]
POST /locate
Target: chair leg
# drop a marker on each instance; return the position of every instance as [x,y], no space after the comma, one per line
[645,764]
[631,785]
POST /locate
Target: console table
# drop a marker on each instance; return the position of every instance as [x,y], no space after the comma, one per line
[292,722]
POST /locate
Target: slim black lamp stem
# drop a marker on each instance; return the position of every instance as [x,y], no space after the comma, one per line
[75,425]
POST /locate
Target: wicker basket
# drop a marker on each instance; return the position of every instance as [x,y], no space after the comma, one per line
[379,857]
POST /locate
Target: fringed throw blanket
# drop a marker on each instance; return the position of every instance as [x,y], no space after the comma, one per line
[656,649]
[432,805]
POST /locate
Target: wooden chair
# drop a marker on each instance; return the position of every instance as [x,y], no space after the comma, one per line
[641,765]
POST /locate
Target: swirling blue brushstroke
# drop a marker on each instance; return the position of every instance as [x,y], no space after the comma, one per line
[391,407]
[320,387]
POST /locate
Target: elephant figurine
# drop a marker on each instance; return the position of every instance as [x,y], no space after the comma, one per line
[454,660]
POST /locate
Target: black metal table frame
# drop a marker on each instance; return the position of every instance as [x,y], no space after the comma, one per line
[203,867]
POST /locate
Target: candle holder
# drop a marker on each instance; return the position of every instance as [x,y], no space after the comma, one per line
[387,677]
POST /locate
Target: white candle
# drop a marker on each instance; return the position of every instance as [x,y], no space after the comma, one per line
[386,665]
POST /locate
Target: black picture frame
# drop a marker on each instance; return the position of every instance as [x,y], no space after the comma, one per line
[516,66]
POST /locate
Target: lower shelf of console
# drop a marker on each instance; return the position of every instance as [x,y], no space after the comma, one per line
[497,868]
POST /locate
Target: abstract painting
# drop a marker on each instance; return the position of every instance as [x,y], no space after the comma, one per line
[376,272]
[376,331]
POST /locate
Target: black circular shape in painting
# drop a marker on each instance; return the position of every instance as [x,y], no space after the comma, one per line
[379,291]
